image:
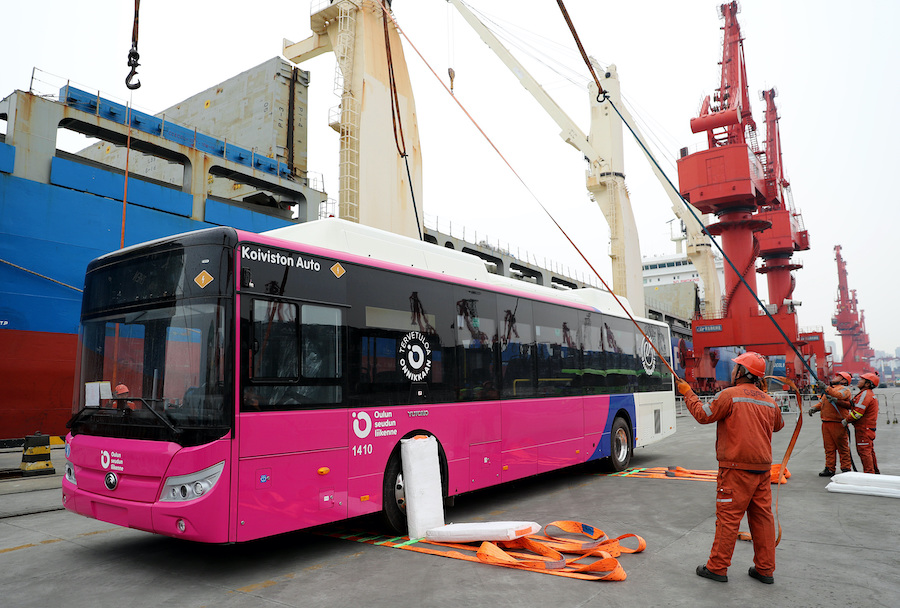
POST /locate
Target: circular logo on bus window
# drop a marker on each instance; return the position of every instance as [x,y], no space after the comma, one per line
[414,356]
[648,357]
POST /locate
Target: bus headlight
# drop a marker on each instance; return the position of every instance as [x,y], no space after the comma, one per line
[182,488]
[70,473]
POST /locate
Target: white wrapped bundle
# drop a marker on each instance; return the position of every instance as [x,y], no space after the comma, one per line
[481,531]
[422,484]
[846,488]
[868,479]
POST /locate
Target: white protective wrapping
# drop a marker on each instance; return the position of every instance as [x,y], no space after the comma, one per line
[481,531]
[865,483]
[422,485]
[846,488]
[868,479]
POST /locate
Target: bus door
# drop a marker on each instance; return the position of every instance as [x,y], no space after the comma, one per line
[292,429]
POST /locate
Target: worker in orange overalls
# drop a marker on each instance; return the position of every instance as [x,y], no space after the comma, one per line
[864,416]
[745,418]
[835,405]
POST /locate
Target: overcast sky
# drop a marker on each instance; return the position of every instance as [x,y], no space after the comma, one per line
[833,66]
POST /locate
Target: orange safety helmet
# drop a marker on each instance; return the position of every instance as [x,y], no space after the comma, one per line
[121,389]
[754,363]
[847,377]
[873,378]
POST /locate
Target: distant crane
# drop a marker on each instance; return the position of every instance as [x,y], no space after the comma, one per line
[851,325]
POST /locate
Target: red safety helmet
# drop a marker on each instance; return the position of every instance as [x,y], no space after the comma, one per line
[754,363]
[873,378]
[121,389]
[847,377]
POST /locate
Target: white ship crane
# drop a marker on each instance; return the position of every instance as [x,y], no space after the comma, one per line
[376,188]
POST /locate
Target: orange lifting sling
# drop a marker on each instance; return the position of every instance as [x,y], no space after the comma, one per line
[535,553]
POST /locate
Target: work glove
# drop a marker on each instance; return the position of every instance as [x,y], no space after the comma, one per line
[682,386]
[845,422]
[812,411]
[820,388]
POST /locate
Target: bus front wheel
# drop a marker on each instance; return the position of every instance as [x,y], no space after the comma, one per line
[619,445]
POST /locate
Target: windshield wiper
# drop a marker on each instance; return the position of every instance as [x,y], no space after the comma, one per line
[176,432]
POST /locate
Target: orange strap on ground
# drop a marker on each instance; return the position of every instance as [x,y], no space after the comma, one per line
[595,559]
[667,473]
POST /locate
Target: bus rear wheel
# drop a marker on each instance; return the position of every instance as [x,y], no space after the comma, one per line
[620,449]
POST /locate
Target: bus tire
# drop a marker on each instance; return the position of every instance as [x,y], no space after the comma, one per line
[393,502]
[620,448]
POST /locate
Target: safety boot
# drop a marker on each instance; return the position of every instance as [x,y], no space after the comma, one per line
[826,472]
[761,578]
[702,571]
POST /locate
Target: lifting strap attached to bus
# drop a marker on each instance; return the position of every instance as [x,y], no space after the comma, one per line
[594,559]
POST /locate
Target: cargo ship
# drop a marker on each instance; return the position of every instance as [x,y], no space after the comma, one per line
[232,155]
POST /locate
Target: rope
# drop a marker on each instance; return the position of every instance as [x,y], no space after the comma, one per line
[37,274]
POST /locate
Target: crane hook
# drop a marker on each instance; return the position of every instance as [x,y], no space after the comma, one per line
[133,57]
[133,53]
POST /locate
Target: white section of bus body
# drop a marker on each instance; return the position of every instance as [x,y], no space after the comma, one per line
[382,246]
[364,241]
[646,406]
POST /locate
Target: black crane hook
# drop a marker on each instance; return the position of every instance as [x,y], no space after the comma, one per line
[133,55]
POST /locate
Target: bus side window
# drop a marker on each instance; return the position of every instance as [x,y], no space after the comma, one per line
[476,335]
[595,360]
[275,341]
[558,350]
[516,342]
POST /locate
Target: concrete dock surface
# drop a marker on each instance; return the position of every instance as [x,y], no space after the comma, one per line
[837,550]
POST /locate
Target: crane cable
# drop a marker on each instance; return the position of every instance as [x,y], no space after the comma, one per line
[540,204]
[395,113]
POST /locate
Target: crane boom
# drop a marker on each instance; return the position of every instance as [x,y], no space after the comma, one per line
[571,134]
[603,149]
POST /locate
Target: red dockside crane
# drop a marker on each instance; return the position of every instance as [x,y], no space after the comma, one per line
[746,189]
[851,325]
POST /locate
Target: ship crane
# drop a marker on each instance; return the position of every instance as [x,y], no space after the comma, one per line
[605,177]
[746,189]
[850,323]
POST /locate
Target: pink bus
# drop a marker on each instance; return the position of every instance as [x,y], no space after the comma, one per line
[273,376]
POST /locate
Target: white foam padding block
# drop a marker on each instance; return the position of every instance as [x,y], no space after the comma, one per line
[422,485]
[483,530]
[868,479]
[846,488]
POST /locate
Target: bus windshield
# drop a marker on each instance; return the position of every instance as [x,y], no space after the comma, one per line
[156,373]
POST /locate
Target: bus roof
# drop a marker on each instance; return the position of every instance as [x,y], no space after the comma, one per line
[364,241]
